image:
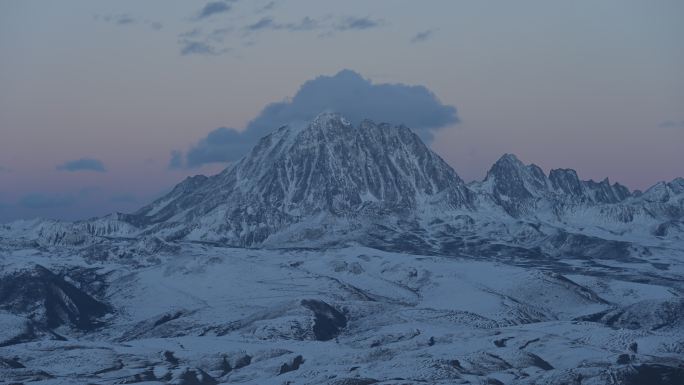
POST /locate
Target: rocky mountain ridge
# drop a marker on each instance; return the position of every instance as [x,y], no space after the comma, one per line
[304,182]
[348,255]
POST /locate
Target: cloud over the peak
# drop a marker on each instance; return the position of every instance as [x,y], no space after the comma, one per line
[347,93]
[221,145]
[83,164]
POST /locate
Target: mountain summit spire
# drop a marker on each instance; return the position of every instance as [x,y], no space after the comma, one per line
[328,169]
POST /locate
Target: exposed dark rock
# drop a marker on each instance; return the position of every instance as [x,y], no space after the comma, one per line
[23,375]
[456,364]
[195,376]
[242,361]
[170,358]
[580,245]
[27,334]
[118,366]
[623,359]
[10,363]
[50,300]
[159,326]
[291,366]
[633,347]
[655,374]
[144,376]
[647,314]
[354,381]
[527,343]
[500,343]
[539,362]
[328,320]
[225,366]
[167,317]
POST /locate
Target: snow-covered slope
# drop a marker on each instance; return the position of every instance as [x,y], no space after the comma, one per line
[350,255]
[207,315]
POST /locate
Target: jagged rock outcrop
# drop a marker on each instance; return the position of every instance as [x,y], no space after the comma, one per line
[49,300]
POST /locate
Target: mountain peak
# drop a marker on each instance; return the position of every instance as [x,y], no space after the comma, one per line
[566,181]
[325,170]
[508,163]
[512,172]
[507,157]
[326,118]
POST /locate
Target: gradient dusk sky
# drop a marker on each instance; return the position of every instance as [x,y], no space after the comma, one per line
[105,105]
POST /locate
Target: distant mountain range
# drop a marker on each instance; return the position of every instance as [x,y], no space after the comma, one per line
[330,182]
[345,254]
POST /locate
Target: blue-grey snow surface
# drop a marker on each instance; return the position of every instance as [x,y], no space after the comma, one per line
[350,255]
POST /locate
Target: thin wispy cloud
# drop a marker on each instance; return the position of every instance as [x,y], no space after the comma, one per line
[422,36]
[192,47]
[126,19]
[214,8]
[83,164]
[219,34]
[198,42]
[325,26]
[358,23]
[305,24]
[120,19]
[191,34]
[263,23]
[267,7]
[155,25]
[672,124]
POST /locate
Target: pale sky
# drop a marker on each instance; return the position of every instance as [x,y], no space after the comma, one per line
[96,95]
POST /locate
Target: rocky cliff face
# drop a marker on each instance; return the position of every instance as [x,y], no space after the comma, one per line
[327,170]
[525,189]
[562,199]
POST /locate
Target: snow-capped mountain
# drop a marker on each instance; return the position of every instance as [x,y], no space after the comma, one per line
[324,172]
[563,200]
[349,255]
[328,182]
[521,189]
